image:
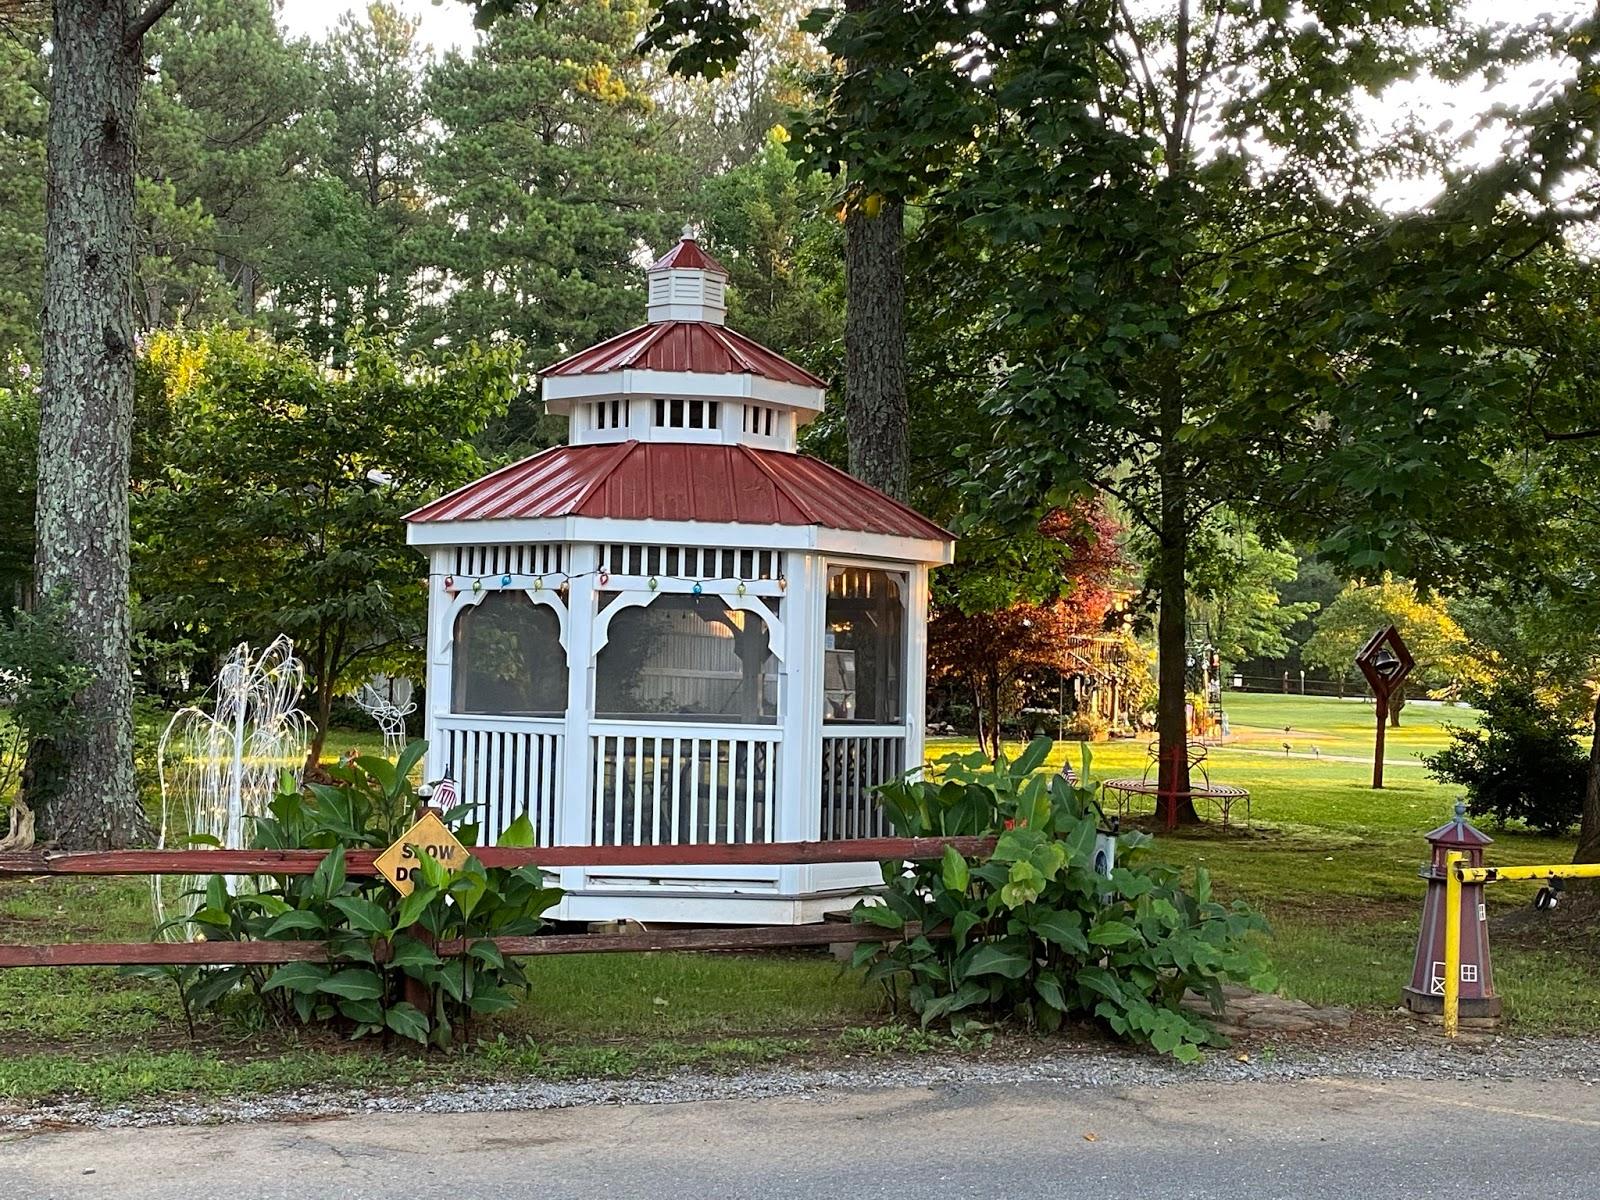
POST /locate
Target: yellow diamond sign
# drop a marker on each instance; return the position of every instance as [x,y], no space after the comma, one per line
[400,864]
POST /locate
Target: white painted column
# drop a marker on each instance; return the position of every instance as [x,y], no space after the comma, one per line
[916,666]
[801,815]
[573,810]
[439,662]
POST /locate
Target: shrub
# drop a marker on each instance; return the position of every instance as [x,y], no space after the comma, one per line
[39,677]
[378,938]
[1032,932]
[1086,726]
[1522,762]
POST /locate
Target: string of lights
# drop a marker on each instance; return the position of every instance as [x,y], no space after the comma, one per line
[538,581]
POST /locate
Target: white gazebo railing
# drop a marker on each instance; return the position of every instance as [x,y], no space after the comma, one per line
[505,767]
[666,784]
[855,761]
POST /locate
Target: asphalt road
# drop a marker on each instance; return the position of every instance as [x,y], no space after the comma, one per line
[1246,1141]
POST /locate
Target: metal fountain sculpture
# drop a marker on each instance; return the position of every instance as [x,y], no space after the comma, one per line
[219,768]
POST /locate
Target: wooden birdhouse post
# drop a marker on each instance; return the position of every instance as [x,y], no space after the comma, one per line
[1386,662]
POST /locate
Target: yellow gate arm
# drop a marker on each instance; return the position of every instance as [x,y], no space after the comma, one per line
[1515,874]
[1455,875]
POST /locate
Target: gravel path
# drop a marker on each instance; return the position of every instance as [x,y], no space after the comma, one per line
[1421,1055]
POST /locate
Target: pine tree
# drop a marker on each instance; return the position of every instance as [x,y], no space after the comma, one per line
[353,259]
[551,179]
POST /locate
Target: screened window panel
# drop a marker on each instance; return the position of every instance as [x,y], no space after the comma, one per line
[687,658]
[508,658]
[864,655]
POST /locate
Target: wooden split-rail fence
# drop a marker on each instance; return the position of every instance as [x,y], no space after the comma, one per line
[46,863]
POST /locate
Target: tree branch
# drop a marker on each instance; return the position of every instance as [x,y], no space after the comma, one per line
[141,26]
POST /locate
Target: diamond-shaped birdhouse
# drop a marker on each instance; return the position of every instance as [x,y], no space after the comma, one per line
[1385,661]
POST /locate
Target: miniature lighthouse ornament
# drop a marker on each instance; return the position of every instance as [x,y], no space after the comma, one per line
[1425,993]
[732,645]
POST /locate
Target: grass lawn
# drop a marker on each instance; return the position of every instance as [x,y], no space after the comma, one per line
[1331,862]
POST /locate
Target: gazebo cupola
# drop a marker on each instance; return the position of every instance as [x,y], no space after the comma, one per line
[684,376]
[676,628]
[687,284]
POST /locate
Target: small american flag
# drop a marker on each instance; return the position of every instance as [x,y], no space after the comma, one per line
[444,794]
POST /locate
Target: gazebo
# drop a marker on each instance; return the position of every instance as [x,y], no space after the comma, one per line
[676,629]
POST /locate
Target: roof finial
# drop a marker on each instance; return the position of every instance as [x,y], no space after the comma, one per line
[688,232]
[1461,812]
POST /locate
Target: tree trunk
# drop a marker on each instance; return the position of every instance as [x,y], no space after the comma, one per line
[85,786]
[1175,806]
[1589,831]
[1397,701]
[875,409]
[1172,727]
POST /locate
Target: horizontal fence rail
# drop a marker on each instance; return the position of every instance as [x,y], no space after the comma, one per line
[359,862]
[273,953]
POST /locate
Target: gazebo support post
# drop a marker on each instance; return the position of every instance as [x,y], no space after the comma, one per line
[572,812]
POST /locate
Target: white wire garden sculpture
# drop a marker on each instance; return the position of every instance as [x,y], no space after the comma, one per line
[387,700]
[217,769]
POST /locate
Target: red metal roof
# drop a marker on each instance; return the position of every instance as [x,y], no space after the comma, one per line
[687,254]
[685,346]
[681,481]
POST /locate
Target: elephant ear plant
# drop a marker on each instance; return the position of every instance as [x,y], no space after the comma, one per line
[1032,932]
[378,940]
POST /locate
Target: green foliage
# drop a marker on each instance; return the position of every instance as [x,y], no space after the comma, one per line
[377,938]
[550,172]
[1031,931]
[1521,763]
[361,228]
[774,228]
[1235,586]
[227,127]
[19,448]
[1444,658]
[22,117]
[39,676]
[272,491]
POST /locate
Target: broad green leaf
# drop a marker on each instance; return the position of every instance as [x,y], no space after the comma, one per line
[519,834]
[410,757]
[492,999]
[991,958]
[954,872]
[297,977]
[1063,928]
[879,915]
[1112,933]
[363,914]
[296,920]
[411,952]
[328,879]
[353,983]
[413,906]
[407,1021]
[1049,989]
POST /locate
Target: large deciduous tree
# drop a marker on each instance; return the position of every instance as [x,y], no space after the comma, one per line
[1444,658]
[276,500]
[1112,192]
